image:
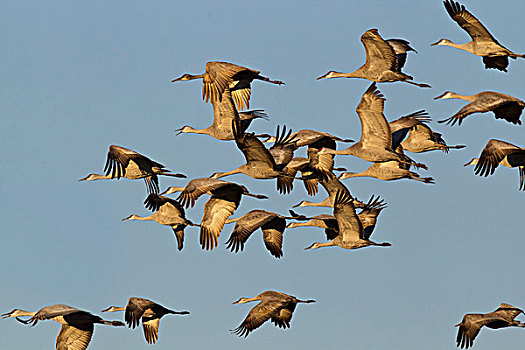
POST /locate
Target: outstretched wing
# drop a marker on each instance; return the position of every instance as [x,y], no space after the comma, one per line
[375,129]
[197,187]
[218,77]
[245,226]
[380,56]
[467,21]
[74,337]
[350,226]
[258,315]
[491,156]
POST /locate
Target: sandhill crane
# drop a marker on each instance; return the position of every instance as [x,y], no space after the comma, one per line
[422,139]
[260,163]
[332,186]
[316,140]
[388,171]
[471,324]
[225,199]
[503,106]
[224,112]
[271,224]
[168,212]
[367,216]
[351,233]
[381,63]
[77,325]
[147,311]
[123,162]
[220,76]
[375,144]
[483,43]
[308,174]
[275,306]
[498,152]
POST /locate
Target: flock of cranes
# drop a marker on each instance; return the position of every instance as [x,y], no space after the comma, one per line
[227,87]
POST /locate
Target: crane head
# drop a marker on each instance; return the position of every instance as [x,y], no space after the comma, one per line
[442,42]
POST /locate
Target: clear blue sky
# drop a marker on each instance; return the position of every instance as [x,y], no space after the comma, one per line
[79,76]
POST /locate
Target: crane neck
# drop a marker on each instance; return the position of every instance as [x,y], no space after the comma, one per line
[469,98]
[317,245]
[465,47]
[92,177]
[218,175]
[115,309]
[136,217]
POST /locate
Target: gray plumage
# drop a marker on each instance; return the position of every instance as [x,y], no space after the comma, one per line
[77,325]
[225,199]
[275,306]
[220,76]
[147,312]
[483,43]
[471,324]
[498,152]
[503,106]
[123,162]
[381,63]
[167,212]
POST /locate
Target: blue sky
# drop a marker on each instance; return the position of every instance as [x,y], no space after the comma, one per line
[80,76]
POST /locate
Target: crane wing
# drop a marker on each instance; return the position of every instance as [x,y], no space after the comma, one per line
[375,130]
[380,56]
[218,78]
[150,325]
[245,226]
[216,211]
[258,315]
[75,337]
[467,21]
[197,187]
[252,148]
[350,227]
[493,153]
[273,235]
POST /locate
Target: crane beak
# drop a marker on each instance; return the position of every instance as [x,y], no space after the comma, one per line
[440,96]
[178,79]
[322,76]
[435,44]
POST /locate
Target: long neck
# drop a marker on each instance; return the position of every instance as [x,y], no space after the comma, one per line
[193,77]
[469,98]
[229,221]
[117,308]
[19,313]
[355,74]
[173,189]
[321,244]
[93,177]
[189,129]
[325,203]
[348,175]
[313,222]
[226,173]
[141,218]
[466,47]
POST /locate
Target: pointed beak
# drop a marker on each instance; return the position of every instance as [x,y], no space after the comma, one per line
[178,131]
[178,79]
[322,77]
[434,44]
[440,96]
[6,315]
